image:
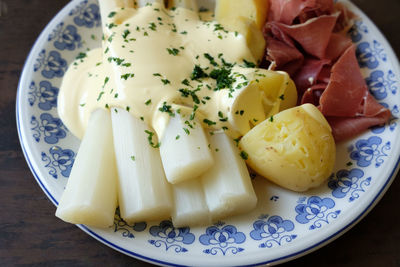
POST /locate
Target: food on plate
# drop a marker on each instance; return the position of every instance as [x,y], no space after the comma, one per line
[176,94]
[295,148]
[139,199]
[246,17]
[91,193]
[308,40]
[227,11]
[168,80]
[191,152]
[227,186]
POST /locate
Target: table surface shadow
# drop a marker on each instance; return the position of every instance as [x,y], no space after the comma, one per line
[31,235]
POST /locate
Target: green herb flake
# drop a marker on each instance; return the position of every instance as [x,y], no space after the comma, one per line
[167,108]
[150,139]
[100,95]
[244,155]
[165,81]
[127,75]
[209,122]
[249,64]
[133,158]
[112,14]
[173,51]
[126,33]
[198,73]
[148,102]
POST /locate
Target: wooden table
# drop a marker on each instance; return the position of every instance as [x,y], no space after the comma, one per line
[31,234]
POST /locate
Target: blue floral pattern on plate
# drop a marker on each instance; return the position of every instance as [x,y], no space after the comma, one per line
[349,182]
[317,211]
[222,239]
[273,230]
[368,150]
[171,237]
[50,150]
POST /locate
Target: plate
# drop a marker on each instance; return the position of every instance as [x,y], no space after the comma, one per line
[285,225]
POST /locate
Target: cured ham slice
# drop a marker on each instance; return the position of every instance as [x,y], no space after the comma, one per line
[288,58]
[346,101]
[287,11]
[313,35]
[309,74]
[346,89]
[307,38]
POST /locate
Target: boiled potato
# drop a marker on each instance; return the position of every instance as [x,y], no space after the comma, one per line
[246,17]
[230,10]
[247,27]
[289,97]
[278,90]
[294,149]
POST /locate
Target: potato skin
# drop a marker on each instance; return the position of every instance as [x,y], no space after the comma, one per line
[294,149]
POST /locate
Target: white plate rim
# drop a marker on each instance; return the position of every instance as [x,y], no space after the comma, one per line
[27,154]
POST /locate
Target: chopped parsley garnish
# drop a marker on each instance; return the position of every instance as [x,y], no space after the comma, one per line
[150,139]
[282,97]
[133,158]
[208,122]
[152,26]
[186,131]
[223,78]
[211,59]
[126,33]
[148,102]
[249,64]
[198,73]
[165,81]
[127,75]
[167,108]
[244,155]
[111,25]
[81,56]
[271,119]
[100,95]
[112,14]
[173,51]
[186,82]
[186,93]
[221,116]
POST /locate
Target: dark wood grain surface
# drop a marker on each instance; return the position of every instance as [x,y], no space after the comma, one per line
[31,235]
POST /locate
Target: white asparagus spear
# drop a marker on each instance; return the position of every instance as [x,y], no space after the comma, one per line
[190,206]
[227,184]
[189,4]
[90,196]
[144,193]
[184,150]
[108,6]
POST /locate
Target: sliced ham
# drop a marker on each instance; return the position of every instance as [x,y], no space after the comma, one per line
[346,89]
[346,128]
[288,11]
[337,45]
[313,36]
[307,38]
[288,58]
[308,75]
